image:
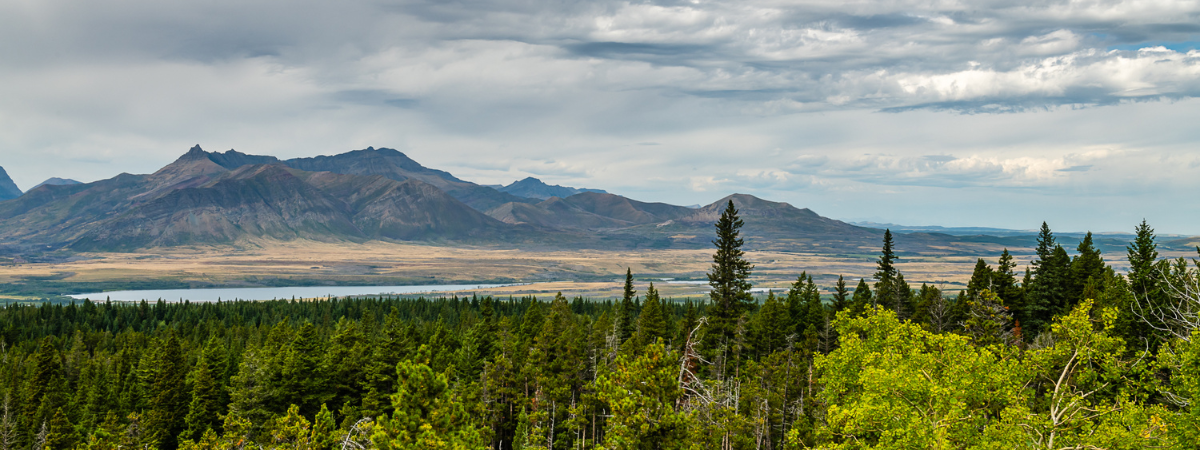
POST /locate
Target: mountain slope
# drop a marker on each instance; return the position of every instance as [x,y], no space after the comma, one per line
[768,226]
[622,208]
[534,188]
[383,208]
[554,213]
[8,189]
[257,201]
[395,165]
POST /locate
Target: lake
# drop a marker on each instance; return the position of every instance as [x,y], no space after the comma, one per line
[272,293]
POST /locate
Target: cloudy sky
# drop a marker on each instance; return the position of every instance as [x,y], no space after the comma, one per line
[986,113]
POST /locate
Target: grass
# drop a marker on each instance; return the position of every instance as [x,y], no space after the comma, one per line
[594,273]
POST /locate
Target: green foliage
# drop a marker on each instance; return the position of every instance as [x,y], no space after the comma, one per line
[893,385]
[921,370]
[642,394]
[426,414]
[652,323]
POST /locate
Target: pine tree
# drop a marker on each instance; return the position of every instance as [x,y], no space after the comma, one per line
[729,278]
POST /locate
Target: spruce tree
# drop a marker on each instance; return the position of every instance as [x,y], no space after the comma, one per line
[45,388]
[168,397]
[902,302]
[981,280]
[1145,283]
[862,297]
[841,296]
[1143,255]
[1088,265]
[1047,288]
[886,292]
[625,317]
[652,324]
[1004,280]
[729,278]
[1060,276]
[769,328]
[204,407]
[303,372]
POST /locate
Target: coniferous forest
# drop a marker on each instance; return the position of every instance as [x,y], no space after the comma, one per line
[1070,355]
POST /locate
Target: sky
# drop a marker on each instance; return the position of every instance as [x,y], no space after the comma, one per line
[1005,114]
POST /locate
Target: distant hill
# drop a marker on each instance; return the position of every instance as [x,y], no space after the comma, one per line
[588,211]
[56,181]
[534,188]
[771,225]
[8,189]
[953,231]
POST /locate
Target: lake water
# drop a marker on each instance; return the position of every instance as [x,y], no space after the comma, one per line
[272,293]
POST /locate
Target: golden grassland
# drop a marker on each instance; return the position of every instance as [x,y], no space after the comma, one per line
[592,273]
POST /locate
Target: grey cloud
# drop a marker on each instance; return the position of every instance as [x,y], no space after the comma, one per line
[503,86]
[1080,168]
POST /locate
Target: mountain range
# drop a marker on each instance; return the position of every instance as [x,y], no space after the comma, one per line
[381,194]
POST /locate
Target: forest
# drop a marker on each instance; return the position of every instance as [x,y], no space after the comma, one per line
[1071,355]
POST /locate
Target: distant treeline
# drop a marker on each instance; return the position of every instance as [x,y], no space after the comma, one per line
[1072,355]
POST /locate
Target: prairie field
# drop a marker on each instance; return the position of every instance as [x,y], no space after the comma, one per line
[591,273]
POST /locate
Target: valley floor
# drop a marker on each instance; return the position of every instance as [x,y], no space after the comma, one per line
[591,273]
